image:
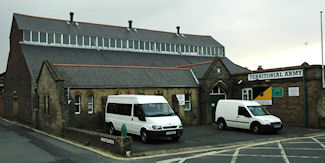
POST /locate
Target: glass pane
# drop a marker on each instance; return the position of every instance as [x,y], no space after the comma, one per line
[209,51]
[79,40]
[163,47]
[35,36]
[124,44]
[191,49]
[106,42]
[130,44]
[136,44]
[112,43]
[147,45]
[168,47]
[141,45]
[172,48]
[50,38]
[93,41]
[65,39]
[73,39]
[26,35]
[178,48]
[158,46]
[118,43]
[86,40]
[182,48]
[77,100]
[221,51]
[204,50]
[100,41]
[58,38]
[43,37]
[152,45]
[185,48]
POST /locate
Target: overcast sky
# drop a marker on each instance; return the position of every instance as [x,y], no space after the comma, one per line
[271,33]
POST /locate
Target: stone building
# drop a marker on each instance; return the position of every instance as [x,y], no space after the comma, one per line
[60,71]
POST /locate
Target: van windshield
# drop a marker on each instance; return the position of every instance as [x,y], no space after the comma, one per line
[258,110]
[156,110]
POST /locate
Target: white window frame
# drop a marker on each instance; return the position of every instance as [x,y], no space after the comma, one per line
[247,94]
[78,104]
[189,102]
[91,104]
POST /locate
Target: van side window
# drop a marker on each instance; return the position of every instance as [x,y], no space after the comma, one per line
[122,109]
[137,110]
[242,111]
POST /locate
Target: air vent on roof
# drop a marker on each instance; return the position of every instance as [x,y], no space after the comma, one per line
[178,27]
[130,24]
[71,16]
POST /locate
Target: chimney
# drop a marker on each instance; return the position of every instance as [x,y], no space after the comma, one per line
[260,68]
[130,24]
[178,27]
[71,16]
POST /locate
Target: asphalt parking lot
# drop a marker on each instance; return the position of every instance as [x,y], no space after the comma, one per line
[196,137]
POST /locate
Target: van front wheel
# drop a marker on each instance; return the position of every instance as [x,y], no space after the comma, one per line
[256,128]
[221,124]
[111,129]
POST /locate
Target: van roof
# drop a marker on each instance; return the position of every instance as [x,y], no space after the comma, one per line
[243,102]
[136,99]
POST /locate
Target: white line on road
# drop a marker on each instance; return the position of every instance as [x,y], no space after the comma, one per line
[235,155]
[321,144]
[283,153]
[170,160]
[204,154]
[252,155]
[304,149]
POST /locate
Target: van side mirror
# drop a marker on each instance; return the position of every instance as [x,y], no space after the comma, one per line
[142,117]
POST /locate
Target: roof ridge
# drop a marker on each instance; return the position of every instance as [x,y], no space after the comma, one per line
[117,26]
[119,66]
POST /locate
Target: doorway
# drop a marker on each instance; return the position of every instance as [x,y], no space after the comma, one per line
[216,94]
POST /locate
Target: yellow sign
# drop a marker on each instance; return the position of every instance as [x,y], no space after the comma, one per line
[265,98]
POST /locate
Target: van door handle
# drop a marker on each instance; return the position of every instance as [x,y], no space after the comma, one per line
[237,116]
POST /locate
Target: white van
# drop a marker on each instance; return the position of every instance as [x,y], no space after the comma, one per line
[246,115]
[144,115]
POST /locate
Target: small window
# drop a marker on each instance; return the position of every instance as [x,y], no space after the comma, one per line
[152,46]
[178,48]
[186,48]
[200,50]
[172,47]
[113,43]
[130,44]
[100,41]
[137,110]
[136,44]
[93,41]
[50,38]
[65,39]
[79,39]
[163,47]
[247,94]
[90,104]
[242,111]
[124,44]
[182,48]
[42,37]
[188,106]
[77,104]
[34,36]
[57,38]
[106,42]
[73,39]
[118,43]
[86,40]
[141,45]
[218,70]
[158,46]
[168,47]
[26,35]
[147,46]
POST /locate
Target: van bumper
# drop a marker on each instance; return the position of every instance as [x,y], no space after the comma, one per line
[165,133]
[271,127]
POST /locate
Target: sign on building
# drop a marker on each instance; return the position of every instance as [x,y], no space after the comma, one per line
[277,92]
[263,95]
[181,99]
[276,75]
[293,91]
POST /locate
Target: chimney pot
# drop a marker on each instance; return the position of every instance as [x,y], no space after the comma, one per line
[71,16]
[178,27]
[130,24]
[260,68]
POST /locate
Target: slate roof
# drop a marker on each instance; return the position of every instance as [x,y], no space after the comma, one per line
[35,55]
[103,77]
[233,68]
[26,22]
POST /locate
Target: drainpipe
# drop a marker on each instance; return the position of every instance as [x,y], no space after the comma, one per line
[305,95]
[36,106]
[69,102]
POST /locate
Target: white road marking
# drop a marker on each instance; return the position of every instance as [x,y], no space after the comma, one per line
[203,154]
[321,144]
[297,142]
[170,160]
[306,149]
[283,153]
[235,155]
[252,155]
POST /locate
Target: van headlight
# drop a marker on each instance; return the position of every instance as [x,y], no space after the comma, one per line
[156,127]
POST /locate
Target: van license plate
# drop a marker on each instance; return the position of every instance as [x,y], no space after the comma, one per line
[170,132]
[277,126]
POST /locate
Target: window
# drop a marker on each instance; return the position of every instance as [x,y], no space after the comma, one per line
[168,47]
[42,37]
[50,38]
[182,48]
[188,102]
[57,38]
[34,36]
[218,70]
[199,50]
[100,41]
[106,42]
[247,94]
[130,44]
[204,50]
[93,41]
[141,45]
[122,109]
[90,104]
[86,40]
[73,39]
[242,111]
[77,104]
[163,47]
[27,35]
[79,40]
[136,44]
[112,43]
[186,49]
[152,46]
[118,43]
[124,44]
[65,39]
[147,45]
[157,46]
[172,48]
